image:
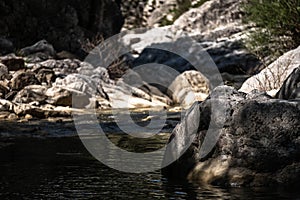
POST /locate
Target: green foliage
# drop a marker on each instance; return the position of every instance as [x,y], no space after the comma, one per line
[278,26]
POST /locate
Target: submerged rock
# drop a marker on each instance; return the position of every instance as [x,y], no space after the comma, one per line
[241,140]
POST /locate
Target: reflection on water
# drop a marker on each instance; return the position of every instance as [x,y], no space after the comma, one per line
[46,160]
[61,168]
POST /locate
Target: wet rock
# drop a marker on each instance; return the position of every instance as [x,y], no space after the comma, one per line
[239,140]
[273,76]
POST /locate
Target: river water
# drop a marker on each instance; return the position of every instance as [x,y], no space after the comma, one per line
[36,165]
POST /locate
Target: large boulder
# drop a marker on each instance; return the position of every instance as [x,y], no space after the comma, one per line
[207,19]
[189,87]
[65,24]
[273,76]
[148,13]
[217,25]
[238,140]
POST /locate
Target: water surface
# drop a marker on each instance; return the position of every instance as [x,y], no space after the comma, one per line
[37,164]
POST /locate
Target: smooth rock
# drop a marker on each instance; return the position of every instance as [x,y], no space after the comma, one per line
[189,87]
[273,76]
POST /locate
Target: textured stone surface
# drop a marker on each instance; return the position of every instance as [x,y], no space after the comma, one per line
[250,142]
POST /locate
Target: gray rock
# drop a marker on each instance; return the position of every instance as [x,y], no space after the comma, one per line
[217,26]
[248,142]
[40,47]
[211,16]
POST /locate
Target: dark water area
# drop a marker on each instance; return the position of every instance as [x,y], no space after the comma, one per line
[50,167]
[61,168]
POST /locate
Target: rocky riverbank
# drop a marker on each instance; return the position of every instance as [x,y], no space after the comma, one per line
[40,80]
[238,139]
